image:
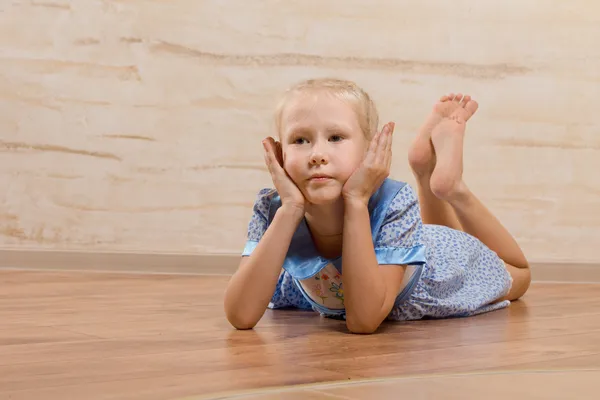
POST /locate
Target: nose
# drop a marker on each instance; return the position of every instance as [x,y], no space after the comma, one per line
[318,155]
[318,158]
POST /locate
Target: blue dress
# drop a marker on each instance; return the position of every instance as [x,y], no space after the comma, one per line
[453,274]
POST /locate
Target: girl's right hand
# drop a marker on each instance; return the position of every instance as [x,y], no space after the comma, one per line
[288,191]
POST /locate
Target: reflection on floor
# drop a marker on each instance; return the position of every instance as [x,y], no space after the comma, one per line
[135,336]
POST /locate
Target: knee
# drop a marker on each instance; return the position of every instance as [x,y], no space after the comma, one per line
[521,282]
[525,279]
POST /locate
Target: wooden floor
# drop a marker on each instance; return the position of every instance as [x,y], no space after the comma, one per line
[71,335]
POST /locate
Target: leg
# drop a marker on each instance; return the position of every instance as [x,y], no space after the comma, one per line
[433,210]
[478,221]
[436,160]
[447,184]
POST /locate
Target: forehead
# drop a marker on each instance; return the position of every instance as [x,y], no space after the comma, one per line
[318,110]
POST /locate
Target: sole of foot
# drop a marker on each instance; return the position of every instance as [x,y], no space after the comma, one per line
[447,138]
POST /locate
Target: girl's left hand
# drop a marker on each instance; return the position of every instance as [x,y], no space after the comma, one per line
[375,168]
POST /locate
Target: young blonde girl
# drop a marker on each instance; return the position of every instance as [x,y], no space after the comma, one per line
[337,236]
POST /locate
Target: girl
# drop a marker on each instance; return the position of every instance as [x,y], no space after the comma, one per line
[337,236]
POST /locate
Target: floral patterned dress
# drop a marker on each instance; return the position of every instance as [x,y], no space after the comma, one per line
[450,273]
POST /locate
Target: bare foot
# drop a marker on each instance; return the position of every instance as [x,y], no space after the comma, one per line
[447,139]
[421,155]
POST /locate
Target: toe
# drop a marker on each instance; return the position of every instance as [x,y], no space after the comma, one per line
[471,106]
[462,114]
[458,98]
[465,100]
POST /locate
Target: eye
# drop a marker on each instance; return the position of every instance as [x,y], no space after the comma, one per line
[336,138]
[299,140]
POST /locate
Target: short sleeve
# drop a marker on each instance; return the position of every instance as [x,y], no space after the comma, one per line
[260,220]
[399,238]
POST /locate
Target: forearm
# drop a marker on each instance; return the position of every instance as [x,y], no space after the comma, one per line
[251,287]
[364,286]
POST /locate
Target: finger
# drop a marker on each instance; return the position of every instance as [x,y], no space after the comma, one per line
[279,153]
[270,156]
[268,143]
[391,127]
[388,151]
[267,155]
[388,160]
[270,146]
[383,142]
[375,142]
[268,164]
[374,153]
[388,165]
[370,156]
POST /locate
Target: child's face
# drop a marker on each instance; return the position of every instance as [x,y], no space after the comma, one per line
[321,136]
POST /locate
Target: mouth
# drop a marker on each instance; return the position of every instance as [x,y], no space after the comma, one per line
[319,178]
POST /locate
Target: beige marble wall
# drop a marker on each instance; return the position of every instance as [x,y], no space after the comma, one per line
[136,125]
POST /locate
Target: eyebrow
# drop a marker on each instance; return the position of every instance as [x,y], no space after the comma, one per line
[338,129]
[304,130]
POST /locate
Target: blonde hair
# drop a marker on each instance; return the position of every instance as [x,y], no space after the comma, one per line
[366,112]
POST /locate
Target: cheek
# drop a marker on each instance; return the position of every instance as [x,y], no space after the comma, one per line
[352,159]
[291,163]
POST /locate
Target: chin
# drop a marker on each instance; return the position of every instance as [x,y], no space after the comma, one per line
[323,196]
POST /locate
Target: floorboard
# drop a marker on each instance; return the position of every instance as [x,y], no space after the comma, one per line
[135,336]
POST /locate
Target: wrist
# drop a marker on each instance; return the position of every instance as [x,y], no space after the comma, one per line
[355,203]
[295,213]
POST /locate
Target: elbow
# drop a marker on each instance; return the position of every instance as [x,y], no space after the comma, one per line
[239,317]
[240,322]
[240,313]
[361,326]
[243,325]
